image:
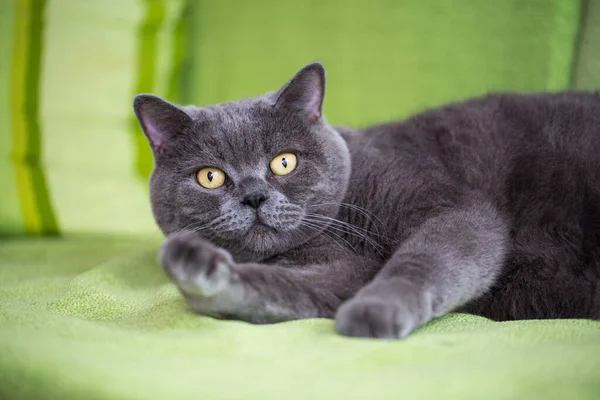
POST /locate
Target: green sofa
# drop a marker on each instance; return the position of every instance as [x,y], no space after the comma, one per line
[85,310]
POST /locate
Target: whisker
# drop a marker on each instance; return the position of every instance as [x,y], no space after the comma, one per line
[368,215]
[346,228]
[343,223]
[319,229]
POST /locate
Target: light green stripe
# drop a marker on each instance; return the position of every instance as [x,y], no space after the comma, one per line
[180,69]
[38,177]
[587,68]
[11,220]
[563,43]
[19,122]
[37,210]
[146,74]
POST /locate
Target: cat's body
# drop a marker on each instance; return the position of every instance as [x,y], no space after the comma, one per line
[491,206]
[534,158]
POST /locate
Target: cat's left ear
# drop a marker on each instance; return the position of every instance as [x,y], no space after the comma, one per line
[159,119]
[305,92]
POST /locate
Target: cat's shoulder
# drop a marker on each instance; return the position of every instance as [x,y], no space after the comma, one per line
[348,133]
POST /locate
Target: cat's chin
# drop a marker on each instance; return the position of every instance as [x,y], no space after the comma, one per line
[259,242]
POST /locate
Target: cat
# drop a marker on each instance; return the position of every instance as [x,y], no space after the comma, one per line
[489,206]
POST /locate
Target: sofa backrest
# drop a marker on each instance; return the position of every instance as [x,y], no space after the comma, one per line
[73,160]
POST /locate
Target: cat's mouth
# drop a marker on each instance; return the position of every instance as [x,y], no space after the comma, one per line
[260,227]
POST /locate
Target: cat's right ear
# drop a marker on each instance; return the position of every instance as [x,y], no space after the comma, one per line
[159,119]
[304,92]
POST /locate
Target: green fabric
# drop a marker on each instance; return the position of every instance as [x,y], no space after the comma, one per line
[11,222]
[92,58]
[587,67]
[71,80]
[95,318]
[388,59]
[32,186]
[90,315]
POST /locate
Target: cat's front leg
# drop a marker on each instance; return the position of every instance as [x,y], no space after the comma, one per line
[213,284]
[452,258]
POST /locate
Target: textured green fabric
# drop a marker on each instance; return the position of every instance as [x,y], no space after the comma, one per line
[95,318]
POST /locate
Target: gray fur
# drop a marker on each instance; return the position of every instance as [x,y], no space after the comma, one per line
[490,206]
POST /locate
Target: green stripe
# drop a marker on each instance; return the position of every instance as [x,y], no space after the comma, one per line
[563,43]
[181,62]
[146,73]
[36,206]
[49,223]
[586,74]
[11,217]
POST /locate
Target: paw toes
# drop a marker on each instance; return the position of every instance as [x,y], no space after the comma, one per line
[214,278]
[374,319]
[198,267]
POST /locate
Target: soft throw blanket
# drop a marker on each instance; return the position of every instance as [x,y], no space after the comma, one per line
[95,318]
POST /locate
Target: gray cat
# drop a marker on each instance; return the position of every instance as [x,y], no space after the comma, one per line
[491,206]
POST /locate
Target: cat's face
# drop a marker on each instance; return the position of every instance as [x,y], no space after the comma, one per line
[257,176]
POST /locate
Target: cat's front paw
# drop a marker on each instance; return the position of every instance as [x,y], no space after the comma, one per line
[199,268]
[380,317]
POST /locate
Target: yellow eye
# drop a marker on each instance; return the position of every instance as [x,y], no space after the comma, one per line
[211,178]
[283,164]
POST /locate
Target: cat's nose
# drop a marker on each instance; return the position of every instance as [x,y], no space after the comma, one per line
[254,200]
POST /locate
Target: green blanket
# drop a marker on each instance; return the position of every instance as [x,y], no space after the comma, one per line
[95,318]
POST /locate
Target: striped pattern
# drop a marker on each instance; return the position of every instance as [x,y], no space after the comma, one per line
[38,214]
[181,68]
[586,71]
[73,158]
[152,22]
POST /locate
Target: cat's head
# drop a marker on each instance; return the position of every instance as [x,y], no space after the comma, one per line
[257,176]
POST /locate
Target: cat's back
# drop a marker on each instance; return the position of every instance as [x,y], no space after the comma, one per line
[483,143]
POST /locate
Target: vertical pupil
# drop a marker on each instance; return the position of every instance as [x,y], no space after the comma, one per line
[209,175]
[284,162]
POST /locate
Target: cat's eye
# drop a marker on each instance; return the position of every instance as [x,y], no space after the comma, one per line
[210,178]
[283,164]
